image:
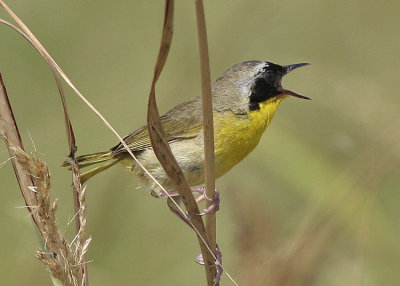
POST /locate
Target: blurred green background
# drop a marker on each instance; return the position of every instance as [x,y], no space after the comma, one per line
[317,202]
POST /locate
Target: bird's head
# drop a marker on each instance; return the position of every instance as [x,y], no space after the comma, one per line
[258,81]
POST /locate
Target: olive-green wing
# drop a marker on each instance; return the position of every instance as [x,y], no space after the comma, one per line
[182,122]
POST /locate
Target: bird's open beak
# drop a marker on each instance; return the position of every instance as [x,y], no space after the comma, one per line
[288,69]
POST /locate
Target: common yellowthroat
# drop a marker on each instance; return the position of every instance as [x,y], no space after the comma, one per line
[245,99]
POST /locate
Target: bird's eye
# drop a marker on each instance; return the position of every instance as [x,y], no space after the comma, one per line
[268,76]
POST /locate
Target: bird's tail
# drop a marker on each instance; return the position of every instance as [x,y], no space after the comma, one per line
[91,159]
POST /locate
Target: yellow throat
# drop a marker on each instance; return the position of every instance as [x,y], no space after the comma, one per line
[237,136]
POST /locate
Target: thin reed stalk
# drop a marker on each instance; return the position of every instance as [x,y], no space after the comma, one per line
[208,125]
[164,154]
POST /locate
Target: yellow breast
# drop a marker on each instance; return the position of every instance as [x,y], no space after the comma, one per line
[237,135]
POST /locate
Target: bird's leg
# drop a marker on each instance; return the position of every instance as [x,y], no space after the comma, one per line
[218,264]
[173,201]
[202,192]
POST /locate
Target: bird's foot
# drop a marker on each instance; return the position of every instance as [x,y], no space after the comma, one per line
[218,265]
[214,207]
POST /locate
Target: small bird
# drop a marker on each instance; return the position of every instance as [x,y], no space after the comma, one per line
[245,99]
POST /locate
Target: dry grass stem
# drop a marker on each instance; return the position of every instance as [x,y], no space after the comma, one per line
[164,153]
[9,131]
[63,261]
[208,125]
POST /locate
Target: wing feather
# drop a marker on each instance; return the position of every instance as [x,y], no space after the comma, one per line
[183,122]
